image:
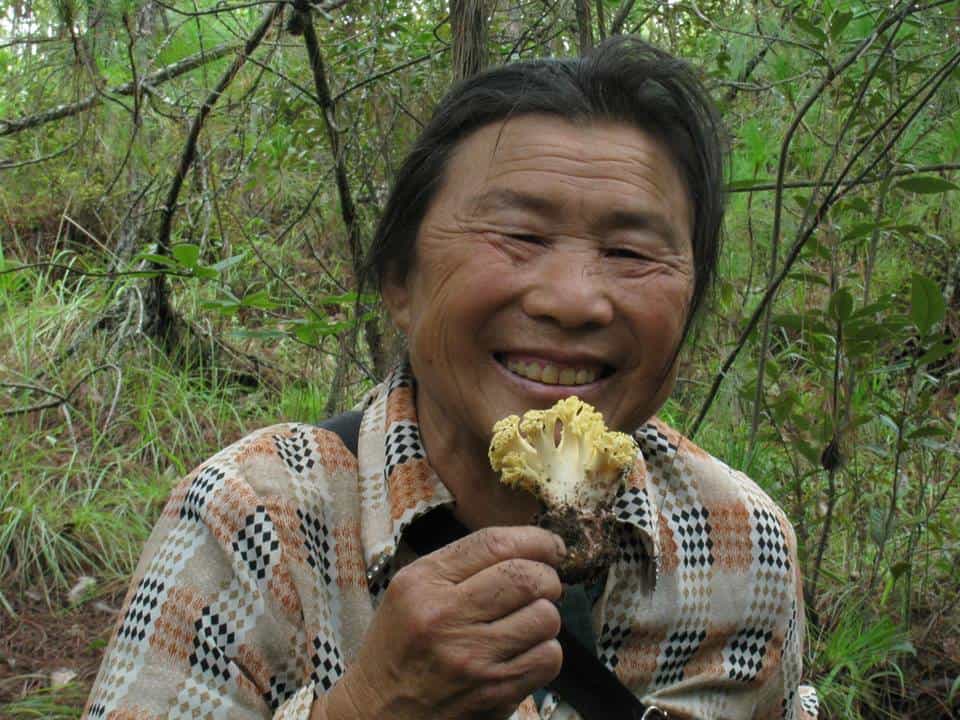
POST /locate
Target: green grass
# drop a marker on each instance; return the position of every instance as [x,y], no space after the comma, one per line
[81,483]
[63,703]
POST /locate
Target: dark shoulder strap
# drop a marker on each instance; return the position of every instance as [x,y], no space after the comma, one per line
[584,681]
[347,426]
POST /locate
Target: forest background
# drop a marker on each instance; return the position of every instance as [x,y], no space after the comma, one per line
[186,191]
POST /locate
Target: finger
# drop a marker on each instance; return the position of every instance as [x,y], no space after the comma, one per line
[500,589]
[523,629]
[522,676]
[483,548]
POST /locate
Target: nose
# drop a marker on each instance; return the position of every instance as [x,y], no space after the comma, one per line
[570,290]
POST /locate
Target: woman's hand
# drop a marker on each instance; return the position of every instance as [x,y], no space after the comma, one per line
[465,632]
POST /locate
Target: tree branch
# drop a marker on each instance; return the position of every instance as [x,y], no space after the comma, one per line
[768,185]
[616,26]
[832,73]
[190,148]
[9,127]
[805,234]
[389,71]
[60,399]
[584,26]
[347,208]
[163,320]
[12,165]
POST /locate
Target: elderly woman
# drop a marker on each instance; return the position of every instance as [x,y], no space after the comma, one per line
[552,233]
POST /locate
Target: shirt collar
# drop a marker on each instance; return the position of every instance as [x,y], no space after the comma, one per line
[398,484]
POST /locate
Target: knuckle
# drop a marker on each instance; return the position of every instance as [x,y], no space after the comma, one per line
[404,582]
[498,541]
[532,579]
[425,622]
[465,664]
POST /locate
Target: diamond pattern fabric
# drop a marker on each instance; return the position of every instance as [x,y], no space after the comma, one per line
[270,559]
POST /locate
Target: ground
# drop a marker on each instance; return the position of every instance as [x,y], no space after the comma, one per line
[41,641]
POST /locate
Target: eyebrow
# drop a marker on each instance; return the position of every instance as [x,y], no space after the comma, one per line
[619,219]
[507,199]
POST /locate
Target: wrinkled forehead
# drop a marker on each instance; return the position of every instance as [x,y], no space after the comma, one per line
[555,167]
[551,142]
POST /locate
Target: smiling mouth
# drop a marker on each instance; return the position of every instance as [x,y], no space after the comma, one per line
[552,373]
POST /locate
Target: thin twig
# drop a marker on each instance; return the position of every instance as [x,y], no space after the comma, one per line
[830,199]
[112,274]
[9,127]
[389,71]
[623,12]
[60,399]
[11,165]
[832,74]
[767,185]
[190,147]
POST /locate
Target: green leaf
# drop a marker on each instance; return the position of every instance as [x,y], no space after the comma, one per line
[259,299]
[245,334]
[809,452]
[878,526]
[954,690]
[899,568]
[221,305]
[186,254]
[927,306]
[791,321]
[228,263]
[205,272]
[159,260]
[859,204]
[810,277]
[940,350]
[839,22]
[861,230]
[926,184]
[841,305]
[889,422]
[812,30]
[928,431]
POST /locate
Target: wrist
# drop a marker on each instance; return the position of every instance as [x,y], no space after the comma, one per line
[342,702]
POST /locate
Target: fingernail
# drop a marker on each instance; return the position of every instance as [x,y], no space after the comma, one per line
[561,546]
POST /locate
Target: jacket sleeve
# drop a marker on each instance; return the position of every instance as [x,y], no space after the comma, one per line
[212,624]
[786,696]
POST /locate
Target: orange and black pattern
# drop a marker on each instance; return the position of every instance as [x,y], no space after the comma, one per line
[254,590]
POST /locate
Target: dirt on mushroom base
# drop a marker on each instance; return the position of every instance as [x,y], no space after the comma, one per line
[591,541]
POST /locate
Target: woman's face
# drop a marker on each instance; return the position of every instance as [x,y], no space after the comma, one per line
[555,260]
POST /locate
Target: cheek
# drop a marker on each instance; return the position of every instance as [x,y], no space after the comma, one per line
[660,310]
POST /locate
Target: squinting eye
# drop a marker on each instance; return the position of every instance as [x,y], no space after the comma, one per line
[526,238]
[624,253]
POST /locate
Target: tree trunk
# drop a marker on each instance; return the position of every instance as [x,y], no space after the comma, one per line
[584,26]
[468,23]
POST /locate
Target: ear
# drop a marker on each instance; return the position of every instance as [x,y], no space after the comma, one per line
[396,297]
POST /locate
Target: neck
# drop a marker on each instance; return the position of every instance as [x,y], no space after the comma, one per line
[462,465]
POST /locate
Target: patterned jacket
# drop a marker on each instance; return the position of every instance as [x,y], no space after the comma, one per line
[263,572]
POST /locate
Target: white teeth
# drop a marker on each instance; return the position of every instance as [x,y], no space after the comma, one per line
[532,371]
[552,374]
